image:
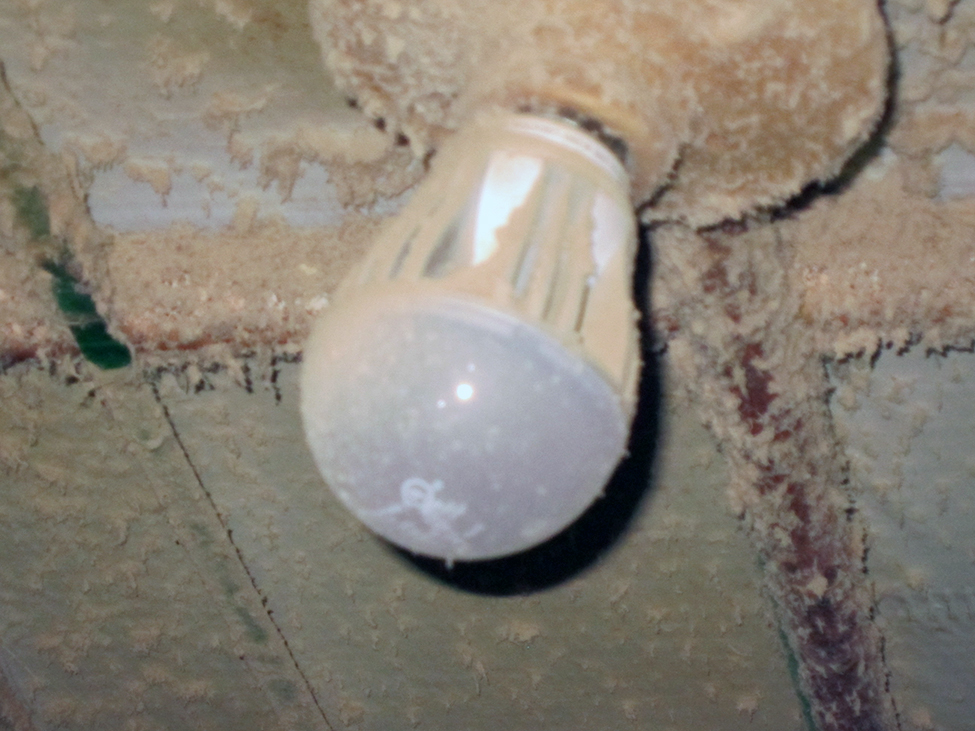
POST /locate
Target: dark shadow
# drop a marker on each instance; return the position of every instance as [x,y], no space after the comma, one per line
[581,545]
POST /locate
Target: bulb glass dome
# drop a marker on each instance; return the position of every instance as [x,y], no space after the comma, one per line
[457,431]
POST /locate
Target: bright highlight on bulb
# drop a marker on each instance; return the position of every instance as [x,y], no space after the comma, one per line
[469,391]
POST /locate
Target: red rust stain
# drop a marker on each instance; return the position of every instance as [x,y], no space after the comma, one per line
[715,278]
[944,313]
[832,641]
[666,324]
[755,399]
[768,483]
[831,635]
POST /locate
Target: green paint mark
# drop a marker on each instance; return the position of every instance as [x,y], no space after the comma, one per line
[32,210]
[202,534]
[284,689]
[254,630]
[89,329]
[99,347]
[793,664]
[87,326]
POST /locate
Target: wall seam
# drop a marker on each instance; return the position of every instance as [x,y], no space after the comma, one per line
[240,556]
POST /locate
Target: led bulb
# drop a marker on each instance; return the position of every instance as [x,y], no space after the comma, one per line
[470,388]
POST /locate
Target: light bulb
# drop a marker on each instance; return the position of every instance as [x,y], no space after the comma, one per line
[469,390]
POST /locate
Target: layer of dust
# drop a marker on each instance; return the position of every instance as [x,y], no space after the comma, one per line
[243,93]
[30,325]
[879,266]
[834,262]
[724,105]
[890,259]
[206,288]
[865,277]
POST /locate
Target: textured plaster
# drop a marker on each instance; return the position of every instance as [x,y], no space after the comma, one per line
[667,630]
[907,423]
[124,603]
[155,587]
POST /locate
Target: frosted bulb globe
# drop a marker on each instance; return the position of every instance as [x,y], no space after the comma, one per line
[469,390]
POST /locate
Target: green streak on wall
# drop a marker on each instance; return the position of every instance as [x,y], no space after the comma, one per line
[89,329]
[32,211]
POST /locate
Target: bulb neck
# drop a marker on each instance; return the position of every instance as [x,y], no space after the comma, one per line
[545,77]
